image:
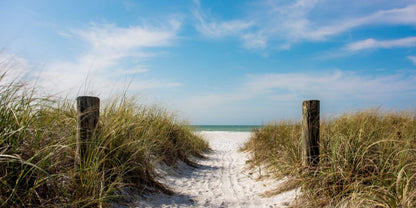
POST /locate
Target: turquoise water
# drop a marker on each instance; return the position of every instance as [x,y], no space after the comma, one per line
[235,128]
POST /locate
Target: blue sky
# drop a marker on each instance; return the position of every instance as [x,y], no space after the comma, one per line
[217,61]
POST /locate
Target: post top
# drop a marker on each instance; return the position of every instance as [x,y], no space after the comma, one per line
[88,97]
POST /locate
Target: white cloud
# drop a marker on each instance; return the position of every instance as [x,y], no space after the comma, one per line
[405,15]
[401,16]
[372,43]
[113,53]
[291,87]
[254,41]
[219,29]
[129,5]
[335,85]
[213,28]
[12,67]
[413,59]
[286,20]
[266,97]
[279,24]
[111,37]
[136,70]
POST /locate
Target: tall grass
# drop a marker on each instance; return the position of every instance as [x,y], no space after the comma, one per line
[37,150]
[368,159]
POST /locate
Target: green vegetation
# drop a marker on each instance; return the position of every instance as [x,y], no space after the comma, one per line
[368,159]
[37,150]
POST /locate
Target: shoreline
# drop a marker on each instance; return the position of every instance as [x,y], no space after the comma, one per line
[230,128]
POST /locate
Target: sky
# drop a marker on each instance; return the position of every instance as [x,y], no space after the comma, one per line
[218,61]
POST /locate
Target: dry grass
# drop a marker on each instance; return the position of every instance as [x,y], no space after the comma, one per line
[368,159]
[37,150]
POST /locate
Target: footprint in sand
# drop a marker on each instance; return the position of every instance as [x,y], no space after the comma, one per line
[220,181]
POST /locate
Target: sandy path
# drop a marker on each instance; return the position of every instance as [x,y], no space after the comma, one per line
[220,181]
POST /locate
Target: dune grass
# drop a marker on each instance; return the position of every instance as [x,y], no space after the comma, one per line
[368,159]
[37,150]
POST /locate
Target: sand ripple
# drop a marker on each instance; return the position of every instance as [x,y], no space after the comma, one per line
[220,181]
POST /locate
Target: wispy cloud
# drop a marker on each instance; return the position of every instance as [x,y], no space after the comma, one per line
[335,86]
[413,59]
[112,58]
[287,21]
[254,41]
[279,24]
[266,97]
[136,70]
[374,44]
[307,29]
[13,67]
[213,28]
[129,5]
[400,16]
[111,37]
[219,29]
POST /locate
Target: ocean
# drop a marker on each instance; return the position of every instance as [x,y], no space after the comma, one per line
[234,128]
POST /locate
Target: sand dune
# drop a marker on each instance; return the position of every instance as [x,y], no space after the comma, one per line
[220,181]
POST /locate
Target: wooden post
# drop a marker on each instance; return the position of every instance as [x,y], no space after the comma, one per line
[88,112]
[310,132]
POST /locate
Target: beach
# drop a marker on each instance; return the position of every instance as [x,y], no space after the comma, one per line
[221,180]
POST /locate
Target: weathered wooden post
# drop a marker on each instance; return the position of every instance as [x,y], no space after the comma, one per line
[310,132]
[88,112]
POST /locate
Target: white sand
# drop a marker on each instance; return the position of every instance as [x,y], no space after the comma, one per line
[220,181]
